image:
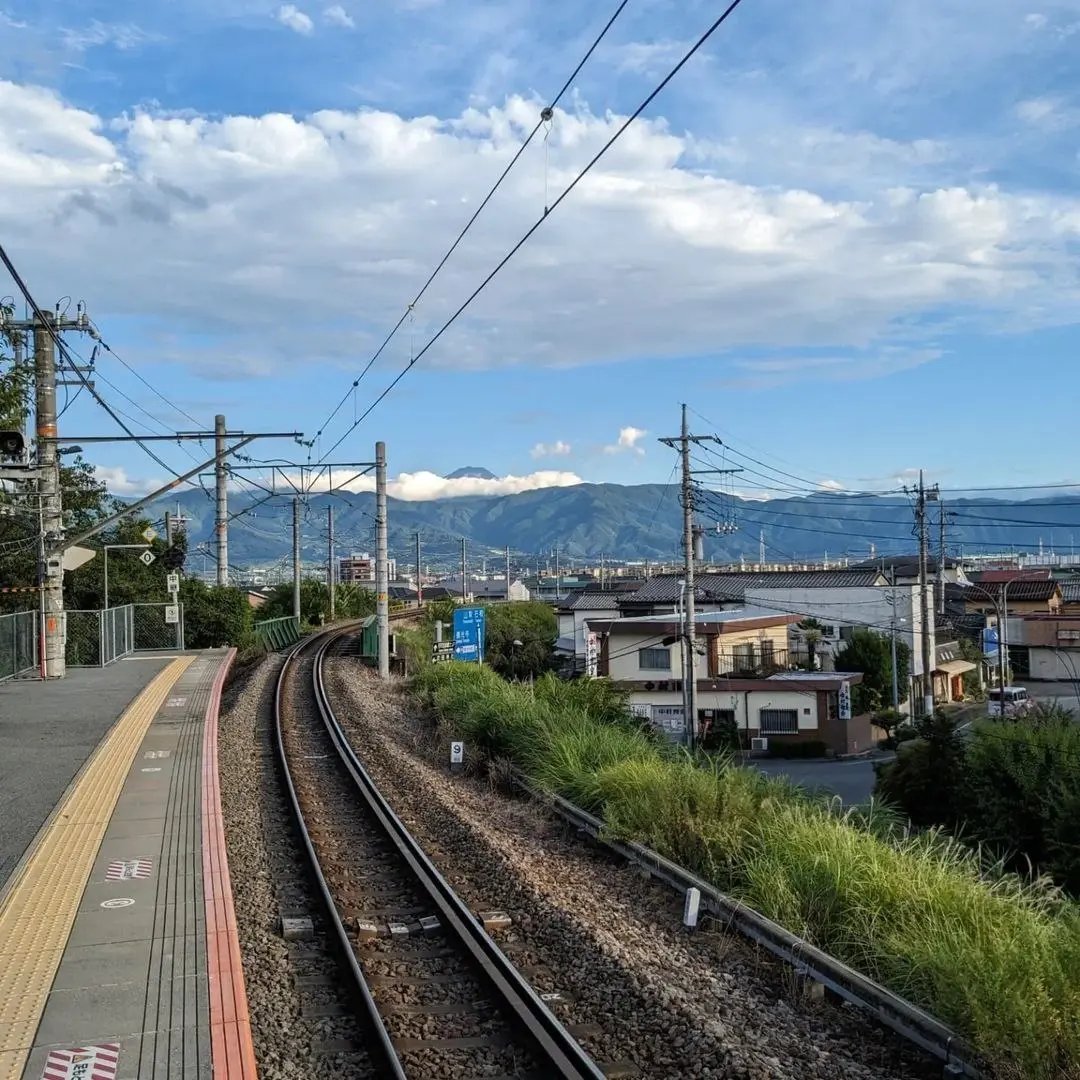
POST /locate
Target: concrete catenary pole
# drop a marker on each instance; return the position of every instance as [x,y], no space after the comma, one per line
[689,626]
[382,576]
[926,609]
[168,528]
[221,504]
[52,514]
[296,557]
[330,562]
[508,575]
[419,581]
[464,574]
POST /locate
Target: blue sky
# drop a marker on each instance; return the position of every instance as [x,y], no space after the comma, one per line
[846,234]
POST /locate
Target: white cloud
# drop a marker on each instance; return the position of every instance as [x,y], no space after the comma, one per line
[628,441]
[558,448]
[119,483]
[336,15]
[653,255]
[7,20]
[1047,113]
[1036,20]
[291,16]
[123,36]
[423,486]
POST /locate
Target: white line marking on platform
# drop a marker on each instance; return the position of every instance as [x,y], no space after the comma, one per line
[119,902]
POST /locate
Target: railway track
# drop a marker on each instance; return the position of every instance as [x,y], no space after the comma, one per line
[435,994]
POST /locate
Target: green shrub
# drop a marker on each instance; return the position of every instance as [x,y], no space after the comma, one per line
[991,955]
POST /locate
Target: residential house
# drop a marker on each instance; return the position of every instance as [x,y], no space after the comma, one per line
[359,569]
[575,611]
[1022,592]
[949,670]
[1043,646]
[906,569]
[1070,597]
[485,589]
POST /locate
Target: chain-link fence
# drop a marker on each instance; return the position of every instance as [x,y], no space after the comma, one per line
[18,643]
[159,626]
[97,638]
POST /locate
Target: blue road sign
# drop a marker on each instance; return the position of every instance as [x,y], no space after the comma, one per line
[469,624]
[990,641]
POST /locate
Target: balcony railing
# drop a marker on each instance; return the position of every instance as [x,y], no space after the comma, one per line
[752,662]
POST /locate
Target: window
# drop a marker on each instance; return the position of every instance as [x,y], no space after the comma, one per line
[778,721]
[744,657]
[768,653]
[655,659]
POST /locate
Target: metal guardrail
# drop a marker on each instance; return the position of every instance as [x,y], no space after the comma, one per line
[278,633]
[18,643]
[893,1011]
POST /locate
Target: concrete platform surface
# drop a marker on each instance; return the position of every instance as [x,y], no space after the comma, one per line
[112,976]
[47,731]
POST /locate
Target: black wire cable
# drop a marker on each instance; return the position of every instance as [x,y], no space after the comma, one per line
[64,352]
[717,23]
[544,116]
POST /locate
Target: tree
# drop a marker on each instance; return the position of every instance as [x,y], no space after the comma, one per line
[870,652]
[215,615]
[812,632]
[926,779]
[314,602]
[532,624]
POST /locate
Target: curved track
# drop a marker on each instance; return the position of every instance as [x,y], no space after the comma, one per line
[438,997]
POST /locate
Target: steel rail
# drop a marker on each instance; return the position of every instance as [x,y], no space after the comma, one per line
[561,1052]
[381,1050]
[894,1012]
[561,1055]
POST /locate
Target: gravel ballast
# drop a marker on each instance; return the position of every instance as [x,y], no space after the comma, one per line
[635,985]
[288,982]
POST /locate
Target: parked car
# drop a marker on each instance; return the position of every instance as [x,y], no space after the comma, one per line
[1012,701]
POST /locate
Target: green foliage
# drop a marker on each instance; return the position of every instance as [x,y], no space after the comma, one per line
[1023,791]
[995,958]
[889,720]
[812,631]
[871,653]
[925,779]
[350,602]
[531,623]
[215,615]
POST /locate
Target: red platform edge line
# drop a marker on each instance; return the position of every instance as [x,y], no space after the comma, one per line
[233,1052]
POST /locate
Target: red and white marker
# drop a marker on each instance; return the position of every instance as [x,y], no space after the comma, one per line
[83,1063]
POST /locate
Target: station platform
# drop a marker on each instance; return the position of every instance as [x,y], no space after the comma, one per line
[118,948]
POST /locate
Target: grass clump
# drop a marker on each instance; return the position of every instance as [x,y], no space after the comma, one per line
[993,956]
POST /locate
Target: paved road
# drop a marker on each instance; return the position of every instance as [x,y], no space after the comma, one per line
[853,780]
[1053,693]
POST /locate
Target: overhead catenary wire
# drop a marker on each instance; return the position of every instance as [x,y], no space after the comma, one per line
[545,115]
[716,24]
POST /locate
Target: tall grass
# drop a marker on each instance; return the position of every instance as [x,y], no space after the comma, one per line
[991,955]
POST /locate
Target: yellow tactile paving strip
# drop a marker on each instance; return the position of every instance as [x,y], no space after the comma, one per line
[39,908]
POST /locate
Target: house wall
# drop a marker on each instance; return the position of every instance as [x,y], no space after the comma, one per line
[725,653]
[624,659]
[855,607]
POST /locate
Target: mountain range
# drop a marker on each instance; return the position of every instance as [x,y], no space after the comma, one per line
[626,522]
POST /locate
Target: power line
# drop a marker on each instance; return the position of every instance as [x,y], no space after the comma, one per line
[545,115]
[539,221]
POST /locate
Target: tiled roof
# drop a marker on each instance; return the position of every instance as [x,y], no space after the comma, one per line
[991,577]
[732,587]
[1070,592]
[1019,589]
[595,601]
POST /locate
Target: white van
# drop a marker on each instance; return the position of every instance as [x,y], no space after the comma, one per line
[1016,701]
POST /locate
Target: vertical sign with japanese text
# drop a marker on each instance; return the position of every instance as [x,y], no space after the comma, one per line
[469,624]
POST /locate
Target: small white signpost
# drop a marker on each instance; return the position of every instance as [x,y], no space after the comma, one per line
[172,614]
[147,557]
[172,583]
[457,756]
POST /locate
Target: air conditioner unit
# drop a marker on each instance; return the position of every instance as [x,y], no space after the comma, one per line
[759,744]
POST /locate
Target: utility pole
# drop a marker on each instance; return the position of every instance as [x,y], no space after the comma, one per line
[941,557]
[926,610]
[508,575]
[52,515]
[221,510]
[464,576]
[761,548]
[382,574]
[330,561]
[168,528]
[419,582]
[682,443]
[295,557]
[895,679]
[558,575]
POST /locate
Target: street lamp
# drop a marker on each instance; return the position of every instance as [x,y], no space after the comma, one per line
[114,547]
[1000,600]
[514,646]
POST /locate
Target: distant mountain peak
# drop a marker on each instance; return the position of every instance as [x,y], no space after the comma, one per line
[473,472]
